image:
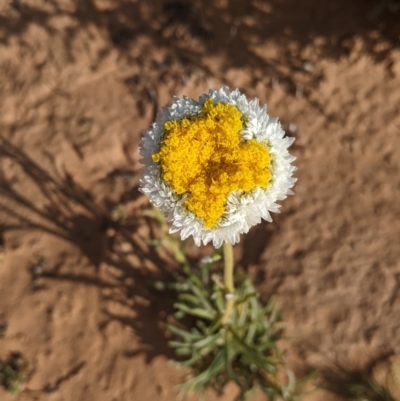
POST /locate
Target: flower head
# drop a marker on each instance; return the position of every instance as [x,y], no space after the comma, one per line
[216,166]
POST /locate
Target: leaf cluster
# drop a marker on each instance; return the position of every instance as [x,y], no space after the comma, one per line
[244,350]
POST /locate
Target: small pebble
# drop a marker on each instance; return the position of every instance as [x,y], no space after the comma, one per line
[308,66]
[292,128]
[37,270]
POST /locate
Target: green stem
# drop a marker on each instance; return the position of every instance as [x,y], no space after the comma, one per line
[228,282]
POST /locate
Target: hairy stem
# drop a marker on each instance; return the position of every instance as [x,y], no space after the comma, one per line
[228,281]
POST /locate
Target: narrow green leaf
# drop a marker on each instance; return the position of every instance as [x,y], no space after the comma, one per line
[219,300]
[186,335]
[216,326]
[189,298]
[254,317]
[204,328]
[198,312]
[201,297]
[179,315]
[176,344]
[229,355]
[242,310]
[204,378]
[183,351]
[216,257]
[245,298]
[207,342]
[251,354]
[190,362]
[287,391]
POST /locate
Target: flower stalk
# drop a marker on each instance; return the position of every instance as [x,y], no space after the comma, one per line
[228,282]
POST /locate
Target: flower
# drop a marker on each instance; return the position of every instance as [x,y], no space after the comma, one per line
[216,166]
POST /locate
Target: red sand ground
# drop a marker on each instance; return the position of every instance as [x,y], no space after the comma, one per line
[80,79]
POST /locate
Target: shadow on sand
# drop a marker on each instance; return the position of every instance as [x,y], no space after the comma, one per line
[72,215]
[230,30]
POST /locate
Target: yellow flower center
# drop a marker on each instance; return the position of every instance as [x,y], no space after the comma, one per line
[205,158]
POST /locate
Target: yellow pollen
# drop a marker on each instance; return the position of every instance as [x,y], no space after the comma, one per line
[205,158]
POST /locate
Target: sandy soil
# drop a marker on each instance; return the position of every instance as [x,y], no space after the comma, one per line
[80,79]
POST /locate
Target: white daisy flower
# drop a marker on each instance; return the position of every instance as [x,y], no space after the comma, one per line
[216,166]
